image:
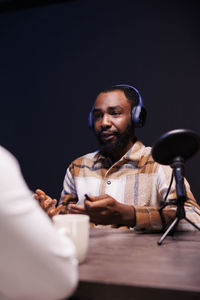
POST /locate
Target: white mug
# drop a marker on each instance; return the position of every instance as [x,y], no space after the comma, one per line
[76,227]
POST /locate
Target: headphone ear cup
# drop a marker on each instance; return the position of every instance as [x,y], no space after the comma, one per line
[90,120]
[138,116]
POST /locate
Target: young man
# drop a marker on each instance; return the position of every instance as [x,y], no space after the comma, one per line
[121,184]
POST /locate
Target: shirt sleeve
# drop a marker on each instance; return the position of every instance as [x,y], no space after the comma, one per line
[148,218]
[37,263]
[68,194]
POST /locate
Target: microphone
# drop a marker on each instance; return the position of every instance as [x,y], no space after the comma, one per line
[174,148]
[182,143]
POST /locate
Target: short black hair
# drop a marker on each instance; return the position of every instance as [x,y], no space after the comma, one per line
[131,95]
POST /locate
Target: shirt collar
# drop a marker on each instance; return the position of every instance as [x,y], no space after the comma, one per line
[135,152]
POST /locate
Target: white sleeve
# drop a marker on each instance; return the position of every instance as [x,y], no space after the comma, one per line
[35,262]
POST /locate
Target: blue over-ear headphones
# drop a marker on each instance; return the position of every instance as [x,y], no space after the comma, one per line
[138,114]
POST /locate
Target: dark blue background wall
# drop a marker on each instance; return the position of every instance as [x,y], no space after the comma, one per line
[55,59]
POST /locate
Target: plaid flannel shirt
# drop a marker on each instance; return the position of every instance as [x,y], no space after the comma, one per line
[136,179]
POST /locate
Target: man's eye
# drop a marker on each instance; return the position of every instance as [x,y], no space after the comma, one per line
[115,113]
[97,116]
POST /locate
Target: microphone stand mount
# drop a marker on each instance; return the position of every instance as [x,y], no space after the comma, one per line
[178,171]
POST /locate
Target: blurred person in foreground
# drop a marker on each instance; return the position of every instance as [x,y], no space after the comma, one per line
[119,185]
[35,261]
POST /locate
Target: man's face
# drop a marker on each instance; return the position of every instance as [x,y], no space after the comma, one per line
[112,122]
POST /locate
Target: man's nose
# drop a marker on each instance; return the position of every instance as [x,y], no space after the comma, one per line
[105,121]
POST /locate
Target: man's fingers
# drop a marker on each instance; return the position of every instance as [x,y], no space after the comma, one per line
[90,198]
[49,203]
[39,198]
[40,192]
[51,208]
[46,203]
[60,208]
[40,195]
[36,196]
[98,205]
[52,212]
[73,208]
[93,198]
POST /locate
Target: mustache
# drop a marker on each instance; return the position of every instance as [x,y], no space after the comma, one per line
[107,132]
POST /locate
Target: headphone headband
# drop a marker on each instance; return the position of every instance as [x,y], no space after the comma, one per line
[132,88]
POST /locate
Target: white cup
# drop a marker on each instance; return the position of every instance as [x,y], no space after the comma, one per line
[76,227]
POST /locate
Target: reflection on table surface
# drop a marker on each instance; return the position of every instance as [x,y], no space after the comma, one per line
[122,264]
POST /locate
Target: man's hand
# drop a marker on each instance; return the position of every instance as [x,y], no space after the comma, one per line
[47,203]
[105,210]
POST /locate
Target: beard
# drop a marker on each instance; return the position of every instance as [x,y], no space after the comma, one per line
[121,141]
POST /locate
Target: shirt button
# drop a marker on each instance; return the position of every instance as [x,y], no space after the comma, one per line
[108,182]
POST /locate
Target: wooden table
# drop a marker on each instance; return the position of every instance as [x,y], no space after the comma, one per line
[122,264]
